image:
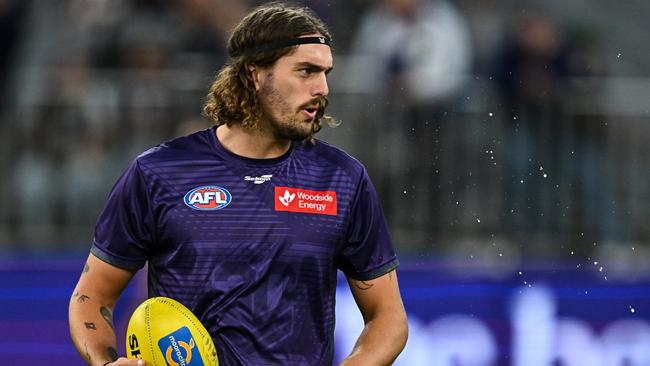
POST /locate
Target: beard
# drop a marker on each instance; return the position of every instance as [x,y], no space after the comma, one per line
[286,123]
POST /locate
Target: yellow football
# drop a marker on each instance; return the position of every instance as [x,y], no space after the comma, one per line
[163,332]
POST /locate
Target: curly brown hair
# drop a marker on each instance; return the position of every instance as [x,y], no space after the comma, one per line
[232,98]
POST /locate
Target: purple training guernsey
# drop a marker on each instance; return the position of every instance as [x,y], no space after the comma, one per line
[251,246]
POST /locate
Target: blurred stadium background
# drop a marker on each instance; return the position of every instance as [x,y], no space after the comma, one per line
[508,141]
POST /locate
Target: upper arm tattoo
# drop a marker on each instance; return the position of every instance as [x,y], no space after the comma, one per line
[81,298]
[86,268]
[362,285]
[366,285]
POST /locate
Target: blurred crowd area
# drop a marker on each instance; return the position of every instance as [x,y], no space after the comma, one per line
[495,131]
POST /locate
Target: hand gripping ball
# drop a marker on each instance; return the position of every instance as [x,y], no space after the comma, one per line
[163,332]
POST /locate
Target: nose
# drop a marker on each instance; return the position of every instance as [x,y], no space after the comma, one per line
[320,87]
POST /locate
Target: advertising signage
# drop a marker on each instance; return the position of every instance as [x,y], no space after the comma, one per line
[532,317]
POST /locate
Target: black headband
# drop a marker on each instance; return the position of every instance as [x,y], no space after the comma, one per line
[286,43]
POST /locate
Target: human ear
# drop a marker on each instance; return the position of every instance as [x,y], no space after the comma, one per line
[255,75]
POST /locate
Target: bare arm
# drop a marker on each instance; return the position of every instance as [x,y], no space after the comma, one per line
[386,329]
[91,311]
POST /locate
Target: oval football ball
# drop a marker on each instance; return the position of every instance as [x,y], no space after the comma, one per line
[163,332]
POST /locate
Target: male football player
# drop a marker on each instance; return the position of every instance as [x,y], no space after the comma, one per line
[247,223]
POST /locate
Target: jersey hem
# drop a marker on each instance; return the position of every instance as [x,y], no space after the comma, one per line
[112,260]
[374,273]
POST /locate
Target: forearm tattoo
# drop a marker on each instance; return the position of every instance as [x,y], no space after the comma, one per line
[107,315]
[112,353]
[87,353]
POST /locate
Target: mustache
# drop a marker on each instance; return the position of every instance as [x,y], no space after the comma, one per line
[321,103]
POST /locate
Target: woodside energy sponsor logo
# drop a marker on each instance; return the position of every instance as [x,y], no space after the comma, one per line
[305,201]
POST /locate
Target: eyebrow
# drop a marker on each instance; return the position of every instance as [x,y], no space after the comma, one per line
[315,66]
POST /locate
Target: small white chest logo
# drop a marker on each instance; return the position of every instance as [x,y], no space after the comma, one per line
[259,180]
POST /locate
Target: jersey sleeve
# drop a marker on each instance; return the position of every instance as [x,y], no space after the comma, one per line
[124,229]
[368,252]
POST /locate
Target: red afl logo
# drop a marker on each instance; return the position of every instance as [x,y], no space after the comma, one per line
[207,198]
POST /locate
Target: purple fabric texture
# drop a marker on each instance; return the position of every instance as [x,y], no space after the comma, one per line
[261,280]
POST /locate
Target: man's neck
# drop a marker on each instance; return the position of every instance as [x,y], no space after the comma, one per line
[249,143]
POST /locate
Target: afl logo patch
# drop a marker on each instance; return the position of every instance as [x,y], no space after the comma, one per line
[207,198]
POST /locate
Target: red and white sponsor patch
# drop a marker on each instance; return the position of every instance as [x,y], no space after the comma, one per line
[306,201]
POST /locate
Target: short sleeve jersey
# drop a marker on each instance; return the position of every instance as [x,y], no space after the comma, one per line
[251,246]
